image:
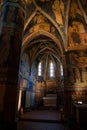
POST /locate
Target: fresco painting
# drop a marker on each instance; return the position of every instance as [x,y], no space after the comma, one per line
[58,12]
[78,34]
[77,72]
[77,27]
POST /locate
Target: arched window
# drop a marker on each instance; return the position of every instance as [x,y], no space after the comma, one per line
[61,70]
[51,69]
[40,69]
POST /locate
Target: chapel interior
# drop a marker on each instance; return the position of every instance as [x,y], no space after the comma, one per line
[43,59]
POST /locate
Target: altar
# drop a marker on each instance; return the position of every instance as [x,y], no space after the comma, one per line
[50,101]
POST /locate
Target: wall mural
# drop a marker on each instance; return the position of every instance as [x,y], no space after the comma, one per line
[77,27]
[27,80]
[55,9]
[77,72]
[58,10]
[77,34]
[78,58]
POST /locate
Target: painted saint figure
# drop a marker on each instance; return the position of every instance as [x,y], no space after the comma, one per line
[78,75]
[58,10]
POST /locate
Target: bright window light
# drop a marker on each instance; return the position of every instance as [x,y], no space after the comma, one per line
[61,70]
[51,70]
[40,69]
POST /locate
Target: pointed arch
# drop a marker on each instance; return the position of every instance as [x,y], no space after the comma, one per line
[30,37]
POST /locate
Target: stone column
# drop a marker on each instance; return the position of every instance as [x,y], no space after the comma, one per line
[12,17]
[65,83]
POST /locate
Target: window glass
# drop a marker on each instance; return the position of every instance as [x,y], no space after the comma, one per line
[40,69]
[61,70]
[51,70]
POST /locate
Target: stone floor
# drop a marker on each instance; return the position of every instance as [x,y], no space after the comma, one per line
[44,120]
[40,126]
[42,115]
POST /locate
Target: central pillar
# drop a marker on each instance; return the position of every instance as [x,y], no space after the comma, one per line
[11,31]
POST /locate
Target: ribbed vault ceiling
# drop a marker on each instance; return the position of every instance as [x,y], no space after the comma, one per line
[43,38]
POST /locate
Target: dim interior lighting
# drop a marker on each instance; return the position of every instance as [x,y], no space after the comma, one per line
[80,102]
